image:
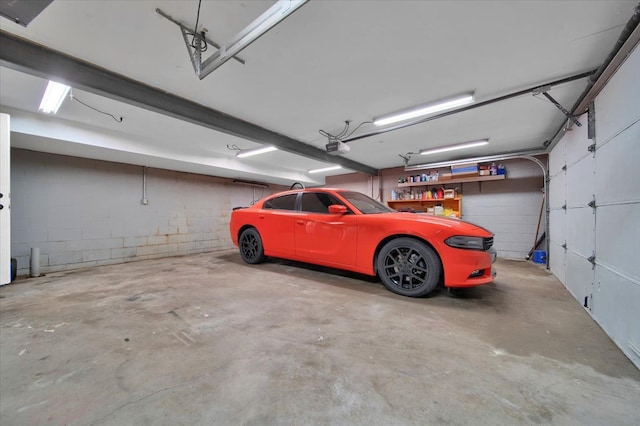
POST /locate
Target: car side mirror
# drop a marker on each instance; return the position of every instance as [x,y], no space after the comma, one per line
[337,209]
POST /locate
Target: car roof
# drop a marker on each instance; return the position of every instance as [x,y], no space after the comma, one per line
[295,191]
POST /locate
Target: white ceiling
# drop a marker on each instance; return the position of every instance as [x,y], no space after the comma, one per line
[328,62]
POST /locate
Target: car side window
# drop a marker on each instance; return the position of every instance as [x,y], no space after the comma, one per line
[318,202]
[286,202]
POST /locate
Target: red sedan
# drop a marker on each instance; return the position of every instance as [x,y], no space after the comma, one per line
[411,253]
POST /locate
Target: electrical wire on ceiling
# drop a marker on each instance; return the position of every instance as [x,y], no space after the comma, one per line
[344,133]
[199,38]
[117,119]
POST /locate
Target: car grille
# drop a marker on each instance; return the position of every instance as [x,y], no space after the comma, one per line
[487,243]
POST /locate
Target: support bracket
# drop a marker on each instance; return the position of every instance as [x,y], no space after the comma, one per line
[186,32]
[269,19]
[561,108]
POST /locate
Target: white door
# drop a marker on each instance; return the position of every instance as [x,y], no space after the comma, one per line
[616,294]
[573,219]
[5,217]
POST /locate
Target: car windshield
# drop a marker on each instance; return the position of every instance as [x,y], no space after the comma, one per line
[366,205]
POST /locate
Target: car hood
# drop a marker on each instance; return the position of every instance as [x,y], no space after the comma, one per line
[454,224]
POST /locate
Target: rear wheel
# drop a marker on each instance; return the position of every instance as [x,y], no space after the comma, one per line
[409,267]
[251,248]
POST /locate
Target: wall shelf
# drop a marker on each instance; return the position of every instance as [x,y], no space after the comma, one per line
[422,204]
[454,180]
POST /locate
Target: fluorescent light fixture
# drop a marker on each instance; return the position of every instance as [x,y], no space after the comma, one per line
[53,97]
[424,110]
[325,169]
[257,151]
[455,147]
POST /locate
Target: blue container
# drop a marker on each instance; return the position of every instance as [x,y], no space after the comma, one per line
[540,256]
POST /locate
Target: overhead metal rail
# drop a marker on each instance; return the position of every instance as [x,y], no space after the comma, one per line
[475,105]
[269,19]
[627,42]
[31,58]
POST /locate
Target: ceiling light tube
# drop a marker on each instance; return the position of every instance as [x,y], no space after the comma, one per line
[454,147]
[325,169]
[257,151]
[53,97]
[424,110]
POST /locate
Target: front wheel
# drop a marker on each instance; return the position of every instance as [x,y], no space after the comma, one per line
[251,248]
[409,267]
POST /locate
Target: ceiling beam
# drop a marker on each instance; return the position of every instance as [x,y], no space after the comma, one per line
[32,58]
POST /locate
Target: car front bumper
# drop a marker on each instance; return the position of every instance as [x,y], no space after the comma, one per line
[470,268]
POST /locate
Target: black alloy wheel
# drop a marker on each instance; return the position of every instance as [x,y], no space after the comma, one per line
[251,248]
[409,267]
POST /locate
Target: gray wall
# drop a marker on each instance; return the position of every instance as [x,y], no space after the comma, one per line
[508,208]
[83,213]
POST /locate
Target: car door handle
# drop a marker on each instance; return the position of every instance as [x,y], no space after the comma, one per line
[260,217]
[301,222]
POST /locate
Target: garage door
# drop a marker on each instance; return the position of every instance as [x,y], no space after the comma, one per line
[595,210]
[572,216]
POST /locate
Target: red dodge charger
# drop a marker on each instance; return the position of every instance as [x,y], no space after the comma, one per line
[411,253]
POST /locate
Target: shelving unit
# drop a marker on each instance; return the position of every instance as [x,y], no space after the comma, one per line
[422,205]
[456,180]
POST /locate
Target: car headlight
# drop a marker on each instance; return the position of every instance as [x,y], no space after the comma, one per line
[464,242]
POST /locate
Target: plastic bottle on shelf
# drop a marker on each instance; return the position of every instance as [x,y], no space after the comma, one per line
[493,169]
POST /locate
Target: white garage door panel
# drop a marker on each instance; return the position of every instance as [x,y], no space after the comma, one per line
[617,105]
[580,225]
[557,261]
[618,238]
[557,158]
[616,162]
[558,191]
[581,182]
[557,226]
[616,308]
[579,280]
[578,144]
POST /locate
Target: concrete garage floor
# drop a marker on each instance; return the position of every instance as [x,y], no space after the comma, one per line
[206,339]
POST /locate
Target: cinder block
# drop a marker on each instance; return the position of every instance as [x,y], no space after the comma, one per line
[186,247]
[91,255]
[123,252]
[65,258]
[65,234]
[167,229]
[99,229]
[157,239]
[178,221]
[178,238]
[29,234]
[167,248]
[103,243]
[206,244]
[134,241]
[146,250]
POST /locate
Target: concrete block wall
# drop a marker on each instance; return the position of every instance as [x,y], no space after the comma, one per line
[83,213]
[508,208]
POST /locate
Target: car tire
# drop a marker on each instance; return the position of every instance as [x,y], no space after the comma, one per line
[250,245]
[408,267]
